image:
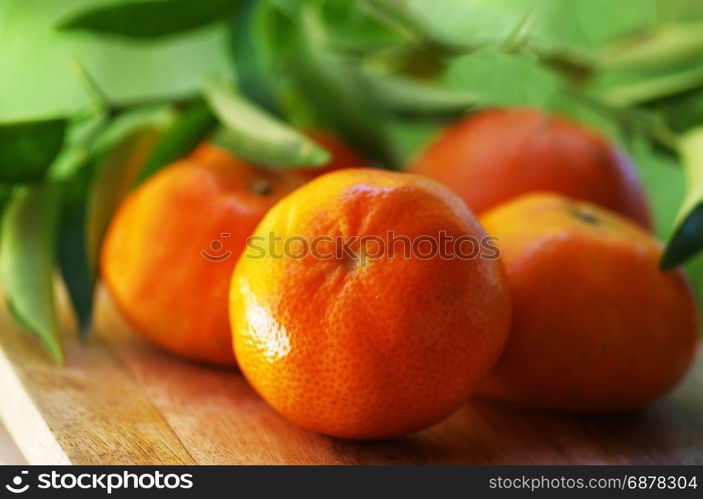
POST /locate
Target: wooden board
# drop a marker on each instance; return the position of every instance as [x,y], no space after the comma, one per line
[120,401]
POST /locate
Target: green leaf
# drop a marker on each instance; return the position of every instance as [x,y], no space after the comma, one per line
[398,93]
[581,26]
[403,80]
[462,23]
[149,19]
[623,89]
[27,261]
[253,33]
[495,78]
[688,236]
[5,192]
[77,270]
[120,156]
[250,133]
[331,84]
[79,145]
[28,148]
[38,74]
[103,173]
[684,111]
[660,48]
[179,139]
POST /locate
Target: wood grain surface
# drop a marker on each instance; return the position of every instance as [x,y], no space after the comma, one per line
[119,400]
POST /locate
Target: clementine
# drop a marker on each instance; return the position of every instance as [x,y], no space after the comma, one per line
[495,155]
[597,326]
[366,343]
[170,250]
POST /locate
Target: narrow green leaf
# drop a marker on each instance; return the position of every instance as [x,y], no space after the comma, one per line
[251,36]
[402,94]
[688,236]
[5,191]
[332,86]
[252,134]
[76,269]
[27,261]
[149,19]
[78,147]
[631,89]
[186,132]
[120,157]
[28,148]
[105,167]
[661,48]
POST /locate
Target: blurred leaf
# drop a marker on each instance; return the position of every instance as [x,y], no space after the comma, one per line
[251,134]
[680,10]
[178,140]
[408,138]
[27,149]
[580,26]
[73,169]
[78,274]
[687,240]
[38,77]
[252,34]
[150,18]
[106,162]
[684,111]
[630,89]
[79,143]
[398,93]
[496,78]
[120,155]
[332,86]
[27,261]
[688,236]
[358,29]
[404,80]
[663,47]
[467,24]
[5,192]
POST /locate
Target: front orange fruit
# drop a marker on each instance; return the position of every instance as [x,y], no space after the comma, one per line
[597,326]
[171,248]
[344,327]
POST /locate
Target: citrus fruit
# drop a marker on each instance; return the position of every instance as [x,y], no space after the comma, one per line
[496,155]
[379,340]
[597,326]
[170,250]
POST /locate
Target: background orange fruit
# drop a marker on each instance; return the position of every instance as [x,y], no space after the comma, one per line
[169,253]
[597,327]
[496,155]
[366,348]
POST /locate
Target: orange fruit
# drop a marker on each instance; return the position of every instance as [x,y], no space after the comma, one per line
[169,253]
[597,326]
[378,341]
[496,155]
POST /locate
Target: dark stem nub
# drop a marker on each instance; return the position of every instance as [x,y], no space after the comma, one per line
[261,187]
[586,215]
